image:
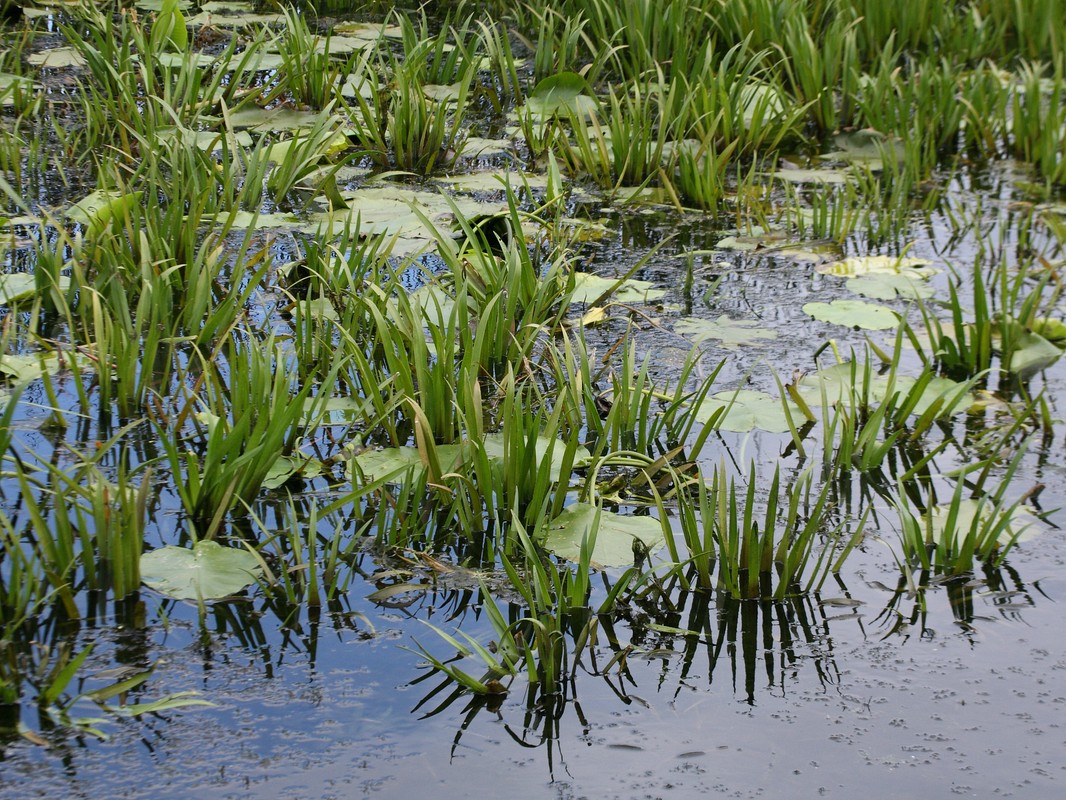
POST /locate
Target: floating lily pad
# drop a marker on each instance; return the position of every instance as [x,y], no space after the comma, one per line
[1032,354]
[886,286]
[969,511]
[396,461]
[867,147]
[208,571]
[614,536]
[494,181]
[588,288]
[732,333]
[97,210]
[493,445]
[16,286]
[57,58]
[1054,330]
[285,468]
[878,265]
[837,383]
[566,93]
[854,314]
[746,410]
[792,175]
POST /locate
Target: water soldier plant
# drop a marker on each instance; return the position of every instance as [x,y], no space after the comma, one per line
[363,303]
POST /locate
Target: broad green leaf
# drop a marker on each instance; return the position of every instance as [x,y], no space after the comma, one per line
[878,265]
[287,467]
[867,147]
[746,410]
[588,288]
[57,58]
[885,286]
[566,92]
[493,448]
[168,29]
[18,285]
[614,537]
[1054,330]
[1022,522]
[30,366]
[395,461]
[834,176]
[1033,353]
[493,180]
[837,384]
[208,571]
[854,314]
[97,210]
[732,333]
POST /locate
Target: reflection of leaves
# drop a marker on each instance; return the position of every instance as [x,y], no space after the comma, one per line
[208,571]
[854,314]
[731,332]
[745,410]
[614,536]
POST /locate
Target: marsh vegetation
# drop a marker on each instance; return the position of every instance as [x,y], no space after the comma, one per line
[573,333]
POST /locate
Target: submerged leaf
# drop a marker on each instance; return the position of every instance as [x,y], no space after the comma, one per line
[615,535]
[208,571]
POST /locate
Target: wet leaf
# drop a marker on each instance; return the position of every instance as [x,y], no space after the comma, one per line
[746,410]
[97,210]
[1033,354]
[867,147]
[878,265]
[614,537]
[588,288]
[208,571]
[732,333]
[286,468]
[971,511]
[57,58]
[838,384]
[566,92]
[885,286]
[493,447]
[854,314]
[835,176]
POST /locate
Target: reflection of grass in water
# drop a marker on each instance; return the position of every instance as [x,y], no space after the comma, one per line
[191,326]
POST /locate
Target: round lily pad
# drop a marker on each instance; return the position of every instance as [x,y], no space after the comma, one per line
[854,314]
[208,571]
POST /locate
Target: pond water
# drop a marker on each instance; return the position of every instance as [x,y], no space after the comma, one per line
[887,680]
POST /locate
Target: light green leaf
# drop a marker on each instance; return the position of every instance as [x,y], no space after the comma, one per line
[854,314]
[1022,522]
[833,176]
[746,410]
[208,571]
[566,92]
[1054,330]
[493,448]
[588,288]
[1032,354]
[885,286]
[731,332]
[614,537]
[837,384]
[168,29]
[879,265]
[287,467]
[97,210]
[57,58]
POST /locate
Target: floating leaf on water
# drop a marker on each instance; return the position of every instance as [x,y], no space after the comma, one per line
[1032,354]
[854,314]
[370,31]
[494,181]
[867,147]
[272,120]
[396,461]
[886,286]
[15,286]
[757,239]
[1054,330]
[746,410]
[879,265]
[98,209]
[477,147]
[614,537]
[208,571]
[588,288]
[493,448]
[732,333]
[834,176]
[566,92]
[972,511]
[179,60]
[286,468]
[837,384]
[234,20]
[57,58]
